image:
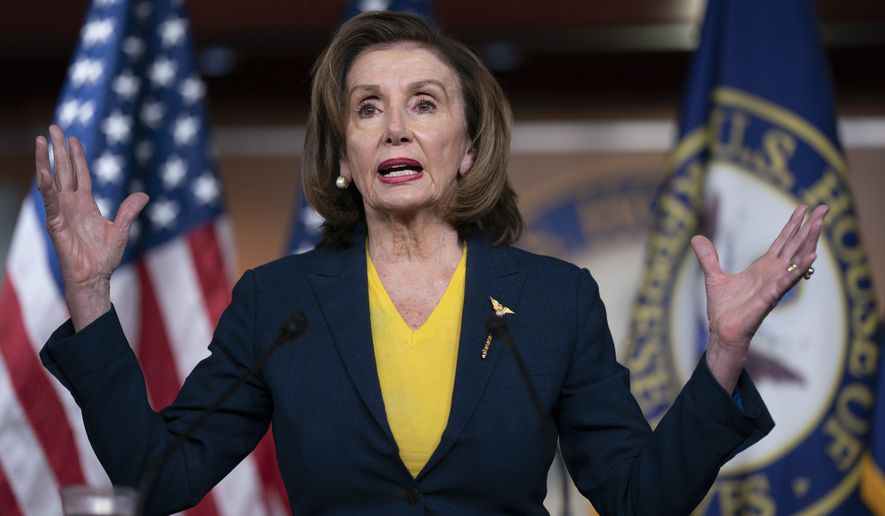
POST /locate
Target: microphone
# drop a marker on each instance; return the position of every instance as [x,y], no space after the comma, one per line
[497,328]
[292,328]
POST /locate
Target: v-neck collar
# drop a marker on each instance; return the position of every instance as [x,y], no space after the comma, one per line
[390,306]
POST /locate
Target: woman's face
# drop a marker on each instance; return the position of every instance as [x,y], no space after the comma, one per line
[406,136]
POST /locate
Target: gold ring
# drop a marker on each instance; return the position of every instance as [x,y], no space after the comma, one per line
[792,267]
[808,273]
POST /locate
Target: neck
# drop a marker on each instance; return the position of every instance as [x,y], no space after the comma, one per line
[419,239]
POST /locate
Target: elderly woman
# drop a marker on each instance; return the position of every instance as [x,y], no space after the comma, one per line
[396,400]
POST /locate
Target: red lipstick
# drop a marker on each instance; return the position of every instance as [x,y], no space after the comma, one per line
[399,170]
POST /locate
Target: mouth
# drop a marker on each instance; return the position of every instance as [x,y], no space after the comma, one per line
[399,167]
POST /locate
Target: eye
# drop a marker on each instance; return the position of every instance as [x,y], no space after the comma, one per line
[367,109]
[425,105]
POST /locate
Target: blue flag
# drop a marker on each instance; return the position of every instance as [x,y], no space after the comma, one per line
[757,137]
[307,229]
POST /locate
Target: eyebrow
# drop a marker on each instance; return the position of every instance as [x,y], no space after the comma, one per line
[420,85]
[375,89]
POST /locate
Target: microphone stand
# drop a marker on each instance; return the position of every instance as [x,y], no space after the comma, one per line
[292,328]
[497,327]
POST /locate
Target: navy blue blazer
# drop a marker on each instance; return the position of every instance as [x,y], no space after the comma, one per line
[335,449]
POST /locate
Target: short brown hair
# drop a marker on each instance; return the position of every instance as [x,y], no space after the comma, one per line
[484,202]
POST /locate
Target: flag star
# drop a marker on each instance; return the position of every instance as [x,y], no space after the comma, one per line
[163,213]
[97,32]
[172,172]
[108,168]
[68,112]
[117,127]
[152,113]
[87,110]
[144,151]
[162,72]
[192,89]
[126,85]
[133,47]
[172,31]
[206,188]
[373,5]
[86,71]
[185,129]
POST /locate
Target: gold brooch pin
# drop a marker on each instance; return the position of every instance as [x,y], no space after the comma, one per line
[500,311]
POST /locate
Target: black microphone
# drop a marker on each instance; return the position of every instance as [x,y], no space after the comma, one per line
[497,328]
[292,328]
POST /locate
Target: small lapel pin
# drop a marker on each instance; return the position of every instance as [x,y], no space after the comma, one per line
[500,311]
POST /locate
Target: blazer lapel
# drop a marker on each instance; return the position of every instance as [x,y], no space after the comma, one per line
[490,272]
[342,291]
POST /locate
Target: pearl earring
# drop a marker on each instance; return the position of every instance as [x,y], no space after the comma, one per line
[342,182]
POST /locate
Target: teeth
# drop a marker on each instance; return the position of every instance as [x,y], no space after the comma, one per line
[398,173]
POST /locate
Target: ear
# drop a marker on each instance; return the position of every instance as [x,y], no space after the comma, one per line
[466,162]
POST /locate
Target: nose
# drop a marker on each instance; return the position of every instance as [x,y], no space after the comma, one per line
[397,129]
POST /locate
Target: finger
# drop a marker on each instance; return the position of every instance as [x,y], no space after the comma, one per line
[64,176]
[798,245]
[81,167]
[790,250]
[43,168]
[706,254]
[45,184]
[807,251]
[129,210]
[788,231]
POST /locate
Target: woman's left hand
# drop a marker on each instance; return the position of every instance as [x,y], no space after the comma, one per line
[737,303]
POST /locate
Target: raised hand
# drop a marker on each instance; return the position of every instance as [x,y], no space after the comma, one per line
[89,247]
[737,303]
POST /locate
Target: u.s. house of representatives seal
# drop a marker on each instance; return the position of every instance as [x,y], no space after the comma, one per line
[814,358]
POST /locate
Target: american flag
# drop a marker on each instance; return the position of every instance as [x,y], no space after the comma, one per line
[134,99]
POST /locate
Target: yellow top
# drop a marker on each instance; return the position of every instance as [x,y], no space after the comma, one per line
[416,368]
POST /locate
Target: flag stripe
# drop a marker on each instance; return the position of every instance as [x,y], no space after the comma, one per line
[240,491]
[276,498]
[126,297]
[31,385]
[206,507]
[154,354]
[21,457]
[182,309]
[208,266]
[7,500]
[41,303]
[224,232]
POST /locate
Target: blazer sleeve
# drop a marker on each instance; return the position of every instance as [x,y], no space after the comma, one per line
[100,370]
[616,460]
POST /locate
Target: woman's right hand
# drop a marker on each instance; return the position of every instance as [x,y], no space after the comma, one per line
[89,247]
